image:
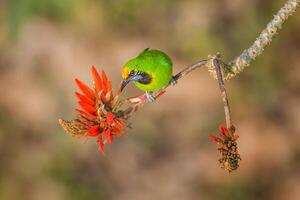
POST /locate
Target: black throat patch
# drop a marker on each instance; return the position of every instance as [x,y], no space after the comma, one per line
[146,78]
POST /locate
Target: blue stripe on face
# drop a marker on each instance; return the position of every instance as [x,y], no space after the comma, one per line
[137,77]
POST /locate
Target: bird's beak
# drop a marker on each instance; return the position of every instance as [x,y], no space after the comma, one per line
[124,83]
[130,79]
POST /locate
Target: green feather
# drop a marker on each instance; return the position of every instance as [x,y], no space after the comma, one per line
[155,63]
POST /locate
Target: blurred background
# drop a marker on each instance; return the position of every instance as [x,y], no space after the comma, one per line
[167,154]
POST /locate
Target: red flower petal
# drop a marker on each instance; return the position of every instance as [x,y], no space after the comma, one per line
[82,113]
[87,107]
[84,99]
[94,131]
[119,123]
[104,77]
[105,83]
[110,118]
[97,79]
[213,139]
[108,89]
[108,86]
[119,90]
[100,144]
[226,132]
[85,89]
[118,128]
[221,136]
[108,135]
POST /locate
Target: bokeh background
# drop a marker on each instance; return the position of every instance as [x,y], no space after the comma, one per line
[167,154]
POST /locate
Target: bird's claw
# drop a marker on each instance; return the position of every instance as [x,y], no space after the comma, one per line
[173,81]
[150,96]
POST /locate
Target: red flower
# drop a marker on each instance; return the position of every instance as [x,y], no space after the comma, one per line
[227,146]
[224,135]
[99,115]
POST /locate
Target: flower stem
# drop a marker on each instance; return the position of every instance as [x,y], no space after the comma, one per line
[217,64]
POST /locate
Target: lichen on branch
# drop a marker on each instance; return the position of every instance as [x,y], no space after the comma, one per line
[237,65]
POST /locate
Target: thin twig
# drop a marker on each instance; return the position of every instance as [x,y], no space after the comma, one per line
[189,69]
[218,69]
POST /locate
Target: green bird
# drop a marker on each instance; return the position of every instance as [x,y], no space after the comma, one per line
[150,71]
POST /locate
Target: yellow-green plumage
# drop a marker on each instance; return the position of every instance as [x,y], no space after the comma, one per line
[156,64]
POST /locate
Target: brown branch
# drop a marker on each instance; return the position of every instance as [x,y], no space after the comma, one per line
[217,64]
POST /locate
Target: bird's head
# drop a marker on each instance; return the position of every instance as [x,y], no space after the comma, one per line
[130,74]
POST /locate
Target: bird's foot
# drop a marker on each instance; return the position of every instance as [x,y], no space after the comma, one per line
[173,81]
[150,96]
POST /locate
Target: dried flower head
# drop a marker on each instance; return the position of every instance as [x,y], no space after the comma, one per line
[227,146]
[100,114]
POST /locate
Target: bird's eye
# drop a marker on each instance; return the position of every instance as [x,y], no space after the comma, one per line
[131,73]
